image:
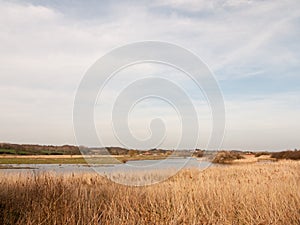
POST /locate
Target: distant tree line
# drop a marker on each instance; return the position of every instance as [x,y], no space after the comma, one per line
[25,149]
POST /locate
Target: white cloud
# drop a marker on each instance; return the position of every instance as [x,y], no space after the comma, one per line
[44,52]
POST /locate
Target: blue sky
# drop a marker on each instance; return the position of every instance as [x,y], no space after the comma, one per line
[252,47]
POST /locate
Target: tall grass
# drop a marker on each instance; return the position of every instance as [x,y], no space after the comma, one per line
[238,194]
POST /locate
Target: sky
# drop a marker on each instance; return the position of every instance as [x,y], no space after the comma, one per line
[252,48]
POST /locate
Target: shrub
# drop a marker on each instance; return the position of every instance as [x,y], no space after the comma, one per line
[257,154]
[294,155]
[226,157]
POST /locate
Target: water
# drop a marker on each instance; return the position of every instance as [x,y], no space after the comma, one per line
[138,165]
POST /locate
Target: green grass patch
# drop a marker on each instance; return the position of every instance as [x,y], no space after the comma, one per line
[7,151]
[103,160]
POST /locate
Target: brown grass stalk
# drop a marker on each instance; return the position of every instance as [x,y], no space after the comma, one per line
[237,194]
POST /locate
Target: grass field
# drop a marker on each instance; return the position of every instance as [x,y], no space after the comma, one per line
[74,159]
[237,194]
[55,160]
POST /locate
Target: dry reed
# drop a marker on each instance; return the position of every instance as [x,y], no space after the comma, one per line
[238,194]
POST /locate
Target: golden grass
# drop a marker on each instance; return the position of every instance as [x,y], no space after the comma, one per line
[74,159]
[253,159]
[237,194]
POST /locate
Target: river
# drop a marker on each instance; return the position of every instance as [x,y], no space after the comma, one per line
[135,165]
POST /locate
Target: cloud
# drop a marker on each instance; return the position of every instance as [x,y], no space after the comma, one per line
[45,49]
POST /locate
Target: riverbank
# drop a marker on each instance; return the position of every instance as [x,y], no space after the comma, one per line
[222,157]
[74,159]
[14,167]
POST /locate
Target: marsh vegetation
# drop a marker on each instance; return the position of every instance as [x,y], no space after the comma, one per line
[237,194]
